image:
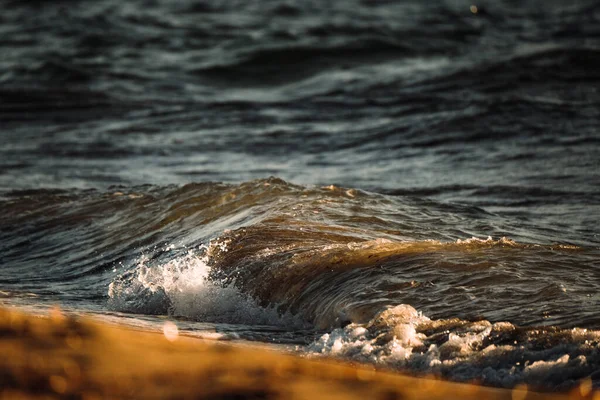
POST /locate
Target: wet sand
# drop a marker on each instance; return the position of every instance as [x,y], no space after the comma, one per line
[60,356]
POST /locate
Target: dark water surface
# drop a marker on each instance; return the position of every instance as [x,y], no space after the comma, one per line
[410,184]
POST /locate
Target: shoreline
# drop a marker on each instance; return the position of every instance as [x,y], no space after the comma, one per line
[59,356]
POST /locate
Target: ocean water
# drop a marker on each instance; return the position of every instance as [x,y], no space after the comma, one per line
[412,185]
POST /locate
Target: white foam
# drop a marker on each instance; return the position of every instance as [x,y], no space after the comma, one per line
[181,287]
[489,240]
[466,351]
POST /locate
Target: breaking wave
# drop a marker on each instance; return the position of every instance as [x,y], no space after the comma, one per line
[181,288]
[396,281]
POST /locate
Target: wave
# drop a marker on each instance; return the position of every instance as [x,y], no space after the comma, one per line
[288,64]
[324,275]
[505,194]
[53,104]
[320,259]
[537,66]
[249,277]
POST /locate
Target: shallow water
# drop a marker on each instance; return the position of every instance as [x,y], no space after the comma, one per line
[409,185]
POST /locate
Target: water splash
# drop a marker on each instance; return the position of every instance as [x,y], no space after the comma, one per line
[182,288]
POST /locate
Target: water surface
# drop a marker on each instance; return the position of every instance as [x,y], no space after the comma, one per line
[404,184]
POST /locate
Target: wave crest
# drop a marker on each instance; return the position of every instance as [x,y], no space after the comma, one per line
[181,287]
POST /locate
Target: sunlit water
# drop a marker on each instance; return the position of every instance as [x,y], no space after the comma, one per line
[409,185]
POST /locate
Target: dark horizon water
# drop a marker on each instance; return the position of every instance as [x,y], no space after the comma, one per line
[413,185]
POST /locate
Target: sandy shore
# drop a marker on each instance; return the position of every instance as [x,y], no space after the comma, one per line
[65,357]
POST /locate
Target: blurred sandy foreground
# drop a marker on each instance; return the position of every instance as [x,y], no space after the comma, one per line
[65,357]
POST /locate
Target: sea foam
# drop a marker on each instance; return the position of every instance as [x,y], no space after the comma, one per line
[498,354]
[182,287]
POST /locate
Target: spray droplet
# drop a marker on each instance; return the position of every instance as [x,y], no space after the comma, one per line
[170,331]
